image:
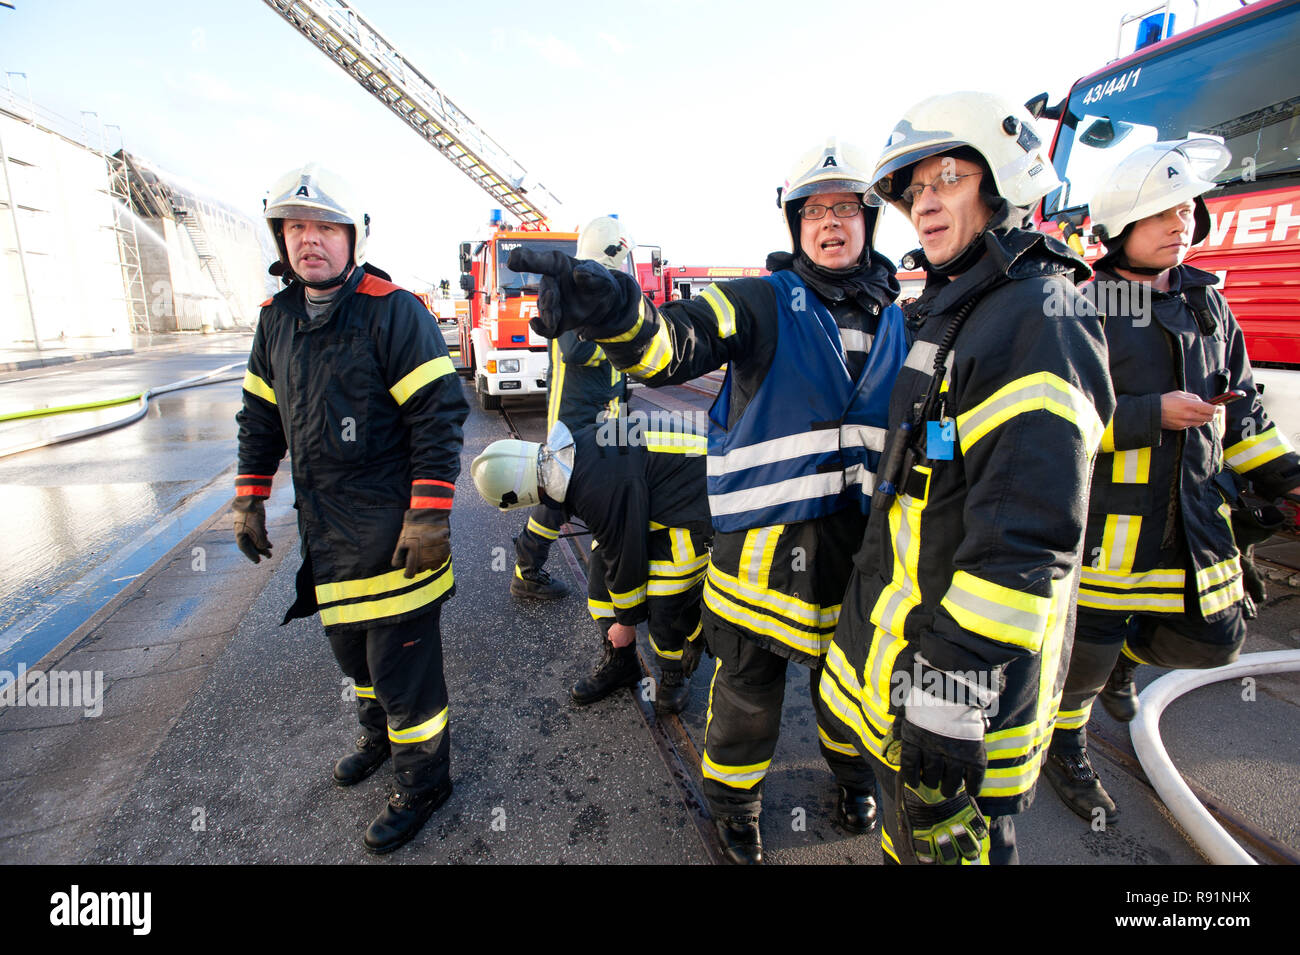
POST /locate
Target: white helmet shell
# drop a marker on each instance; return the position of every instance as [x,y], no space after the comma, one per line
[605,240]
[1154,178]
[1002,132]
[313,192]
[835,166]
[505,474]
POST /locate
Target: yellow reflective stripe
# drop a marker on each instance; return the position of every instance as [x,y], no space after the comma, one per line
[676,442]
[597,356]
[627,599]
[887,845]
[656,526]
[796,610]
[745,618]
[1152,603]
[365,692]
[1166,578]
[996,612]
[734,777]
[708,717]
[1012,780]
[695,634]
[1216,574]
[541,530]
[656,356]
[835,746]
[256,386]
[1119,541]
[1223,598]
[722,309]
[371,586]
[666,654]
[836,674]
[599,609]
[672,569]
[631,333]
[1108,438]
[1131,467]
[756,555]
[1042,391]
[668,586]
[436,584]
[1251,453]
[418,734]
[679,539]
[555,385]
[431,370]
[903,593]
[1074,719]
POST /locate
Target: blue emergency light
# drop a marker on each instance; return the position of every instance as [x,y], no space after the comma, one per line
[1152,30]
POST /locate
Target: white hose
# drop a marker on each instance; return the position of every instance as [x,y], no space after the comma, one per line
[1204,831]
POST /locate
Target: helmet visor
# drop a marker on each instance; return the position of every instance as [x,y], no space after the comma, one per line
[889,184]
[320,214]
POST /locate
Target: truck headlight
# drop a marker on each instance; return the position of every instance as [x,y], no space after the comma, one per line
[508,366]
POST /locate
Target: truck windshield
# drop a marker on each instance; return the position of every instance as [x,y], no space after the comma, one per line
[1240,84]
[515,283]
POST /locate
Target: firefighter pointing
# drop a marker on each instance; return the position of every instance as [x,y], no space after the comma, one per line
[945,668]
[794,437]
[1162,578]
[349,374]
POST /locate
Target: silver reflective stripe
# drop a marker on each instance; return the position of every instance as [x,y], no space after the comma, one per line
[757,544]
[776,449]
[869,437]
[855,339]
[921,357]
[810,487]
[998,613]
[862,475]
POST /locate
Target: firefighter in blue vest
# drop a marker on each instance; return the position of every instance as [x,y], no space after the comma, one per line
[582,388]
[946,668]
[811,352]
[1162,580]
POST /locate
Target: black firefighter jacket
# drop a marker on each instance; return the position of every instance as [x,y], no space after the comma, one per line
[367,402]
[1159,526]
[975,563]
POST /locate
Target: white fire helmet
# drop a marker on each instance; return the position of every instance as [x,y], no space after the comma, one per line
[605,240]
[313,192]
[1154,178]
[1002,133]
[835,166]
[510,474]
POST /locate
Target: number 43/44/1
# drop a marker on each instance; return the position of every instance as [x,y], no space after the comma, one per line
[1116,84]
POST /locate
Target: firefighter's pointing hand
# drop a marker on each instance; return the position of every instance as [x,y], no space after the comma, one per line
[575,294]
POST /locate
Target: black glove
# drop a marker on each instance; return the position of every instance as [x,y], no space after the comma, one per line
[250,527]
[425,540]
[574,294]
[941,727]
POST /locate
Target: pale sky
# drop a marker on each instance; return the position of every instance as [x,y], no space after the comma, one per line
[681,117]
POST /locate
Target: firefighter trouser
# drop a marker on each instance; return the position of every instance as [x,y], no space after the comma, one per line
[1180,641]
[677,562]
[533,545]
[745,720]
[997,848]
[401,694]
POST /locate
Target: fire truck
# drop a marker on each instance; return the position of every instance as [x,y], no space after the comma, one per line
[1235,78]
[662,282]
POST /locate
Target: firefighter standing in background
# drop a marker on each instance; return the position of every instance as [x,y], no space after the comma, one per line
[582,386]
[1162,576]
[642,495]
[349,373]
[811,353]
[946,667]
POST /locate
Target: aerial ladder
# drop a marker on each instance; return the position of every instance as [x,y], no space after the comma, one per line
[346,37]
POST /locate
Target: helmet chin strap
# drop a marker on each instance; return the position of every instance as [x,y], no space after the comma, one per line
[326,283]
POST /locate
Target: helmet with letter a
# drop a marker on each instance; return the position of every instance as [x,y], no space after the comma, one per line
[314,192]
[834,166]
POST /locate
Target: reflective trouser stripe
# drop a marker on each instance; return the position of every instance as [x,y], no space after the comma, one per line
[365,692]
[835,746]
[665,654]
[418,734]
[1074,719]
[541,530]
[737,777]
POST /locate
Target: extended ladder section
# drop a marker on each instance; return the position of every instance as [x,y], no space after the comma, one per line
[349,40]
[128,245]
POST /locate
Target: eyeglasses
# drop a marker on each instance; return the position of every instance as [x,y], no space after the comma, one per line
[942,186]
[842,210]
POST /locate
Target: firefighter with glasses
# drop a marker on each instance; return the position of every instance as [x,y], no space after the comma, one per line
[349,374]
[794,436]
[1162,580]
[947,663]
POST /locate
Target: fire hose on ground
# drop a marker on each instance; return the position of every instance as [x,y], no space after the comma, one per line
[216,376]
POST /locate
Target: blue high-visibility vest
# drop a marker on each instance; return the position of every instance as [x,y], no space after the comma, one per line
[808,442]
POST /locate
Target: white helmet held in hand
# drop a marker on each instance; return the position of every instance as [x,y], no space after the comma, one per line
[1002,133]
[835,166]
[1154,178]
[606,241]
[313,192]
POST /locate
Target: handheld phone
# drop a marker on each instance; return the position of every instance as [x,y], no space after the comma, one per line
[1227,396]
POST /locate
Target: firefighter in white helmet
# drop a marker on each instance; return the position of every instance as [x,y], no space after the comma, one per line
[1162,580]
[794,438]
[349,374]
[945,668]
[582,387]
[641,493]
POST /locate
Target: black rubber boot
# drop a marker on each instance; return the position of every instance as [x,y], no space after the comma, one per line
[855,811]
[740,839]
[617,668]
[1119,696]
[537,585]
[674,690]
[402,818]
[1077,783]
[369,756]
